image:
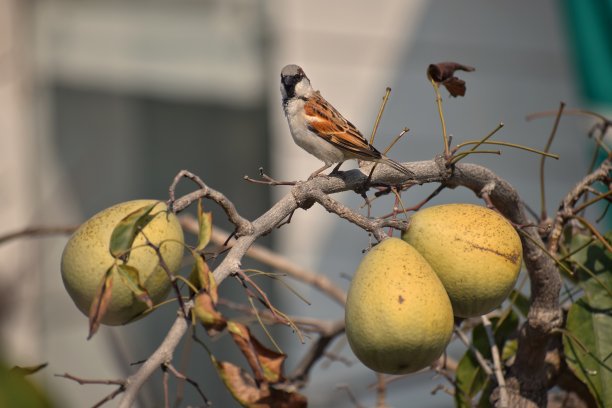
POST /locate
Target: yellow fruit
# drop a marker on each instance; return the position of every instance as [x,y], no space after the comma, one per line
[398,316]
[87,257]
[474,250]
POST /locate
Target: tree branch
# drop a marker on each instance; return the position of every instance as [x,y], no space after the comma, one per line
[527,379]
[567,211]
[275,261]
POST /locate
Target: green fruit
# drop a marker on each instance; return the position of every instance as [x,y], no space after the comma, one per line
[87,258]
[474,250]
[398,316]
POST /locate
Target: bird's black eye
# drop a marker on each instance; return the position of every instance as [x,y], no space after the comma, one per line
[291,80]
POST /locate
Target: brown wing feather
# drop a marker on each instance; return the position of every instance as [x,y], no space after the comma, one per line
[327,122]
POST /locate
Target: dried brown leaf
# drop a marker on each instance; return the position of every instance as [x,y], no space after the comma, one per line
[249,394]
[27,370]
[98,307]
[444,73]
[205,227]
[207,314]
[267,365]
[206,278]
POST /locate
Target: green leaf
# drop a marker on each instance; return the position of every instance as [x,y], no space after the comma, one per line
[205,224]
[485,397]
[126,231]
[130,276]
[593,263]
[502,330]
[509,350]
[469,380]
[588,347]
[100,302]
[470,377]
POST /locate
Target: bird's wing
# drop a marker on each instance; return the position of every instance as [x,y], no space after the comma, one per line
[324,120]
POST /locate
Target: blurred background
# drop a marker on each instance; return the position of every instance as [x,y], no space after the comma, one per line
[103,101]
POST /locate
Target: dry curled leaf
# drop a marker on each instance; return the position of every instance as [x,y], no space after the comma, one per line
[252,394]
[28,370]
[99,305]
[444,73]
[207,314]
[205,227]
[267,365]
[206,279]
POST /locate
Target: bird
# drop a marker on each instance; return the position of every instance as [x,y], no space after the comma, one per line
[318,128]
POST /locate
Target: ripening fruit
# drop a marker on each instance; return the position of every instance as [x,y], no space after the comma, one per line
[398,316]
[474,250]
[87,257]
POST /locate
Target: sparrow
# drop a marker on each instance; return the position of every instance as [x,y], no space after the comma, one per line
[318,128]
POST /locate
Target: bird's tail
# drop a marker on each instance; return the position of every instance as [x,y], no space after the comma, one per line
[396,166]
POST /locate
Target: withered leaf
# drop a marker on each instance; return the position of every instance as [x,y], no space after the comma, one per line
[444,74]
[100,302]
[131,278]
[28,369]
[205,277]
[249,394]
[127,229]
[266,364]
[239,383]
[205,224]
[207,314]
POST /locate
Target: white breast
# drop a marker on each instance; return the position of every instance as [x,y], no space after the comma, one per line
[306,139]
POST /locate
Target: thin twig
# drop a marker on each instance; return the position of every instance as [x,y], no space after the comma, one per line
[300,374]
[499,376]
[381,391]
[396,139]
[380,113]
[350,394]
[479,357]
[36,232]
[109,397]
[268,180]
[82,381]
[121,383]
[594,231]
[277,262]
[441,114]
[543,213]
[183,377]
[566,209]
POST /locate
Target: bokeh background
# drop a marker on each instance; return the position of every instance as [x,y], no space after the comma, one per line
[103,101]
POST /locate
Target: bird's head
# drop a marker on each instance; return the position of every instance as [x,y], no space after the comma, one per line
[294,82]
